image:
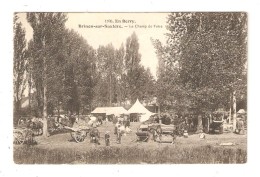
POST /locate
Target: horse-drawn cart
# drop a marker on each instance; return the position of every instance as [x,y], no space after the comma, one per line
[32,123]
[142,133]
[78,134]
[25,131]
[165,133]
[22,135]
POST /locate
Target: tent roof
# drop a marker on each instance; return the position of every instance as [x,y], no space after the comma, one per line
[241,111]
[110,110]
[138,108]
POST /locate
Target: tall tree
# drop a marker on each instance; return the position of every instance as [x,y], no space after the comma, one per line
[83,61]
[110,68]
[19,65]
[47,39]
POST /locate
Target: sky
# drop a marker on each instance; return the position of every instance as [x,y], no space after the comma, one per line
[145,25]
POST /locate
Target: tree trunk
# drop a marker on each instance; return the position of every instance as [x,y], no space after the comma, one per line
[45,122]
[234,111]
[199,126]
[17,111]
[159,113]
[29,94]
[230,110]
[110,96]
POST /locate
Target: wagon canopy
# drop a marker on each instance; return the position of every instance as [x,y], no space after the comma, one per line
[110,110]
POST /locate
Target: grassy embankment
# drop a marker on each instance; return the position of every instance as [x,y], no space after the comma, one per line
[130,155]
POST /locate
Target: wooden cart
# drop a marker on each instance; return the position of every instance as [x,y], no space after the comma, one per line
[22,135]
[142,133]
[166,133]
[78,134]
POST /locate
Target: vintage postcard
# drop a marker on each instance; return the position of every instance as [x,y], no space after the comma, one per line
[130,88]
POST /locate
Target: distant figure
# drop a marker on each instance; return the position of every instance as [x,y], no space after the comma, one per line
[119,134]
[240,126]
[106,121]
[127,122]
[72,118]
[99,119]
[114,119]
[95,124]
[94,135]
[116,128]
[107,138]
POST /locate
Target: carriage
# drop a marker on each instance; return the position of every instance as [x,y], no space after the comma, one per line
[160,132]
[32,123]
[23,134]
[78,134]
[142,133]
[215,123]
[164,133]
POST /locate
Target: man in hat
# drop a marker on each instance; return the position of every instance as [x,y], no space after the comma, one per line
[107,138]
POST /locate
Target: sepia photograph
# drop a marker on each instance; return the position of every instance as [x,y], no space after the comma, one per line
[130,88]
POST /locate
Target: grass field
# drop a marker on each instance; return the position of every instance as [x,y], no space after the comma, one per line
[60,149]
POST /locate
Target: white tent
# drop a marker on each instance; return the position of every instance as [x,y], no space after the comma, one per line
[140,109]
[241,111]
[110,110]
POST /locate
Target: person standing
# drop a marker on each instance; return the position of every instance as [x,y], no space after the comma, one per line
[107,138]
[119,134]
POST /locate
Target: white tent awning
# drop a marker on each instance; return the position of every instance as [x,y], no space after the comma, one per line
[110,110]
[139,108]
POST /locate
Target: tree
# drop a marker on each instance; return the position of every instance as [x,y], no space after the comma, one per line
[19,65]
[82,59]
[110,68]
[206,56]
[137,77]
[46,48]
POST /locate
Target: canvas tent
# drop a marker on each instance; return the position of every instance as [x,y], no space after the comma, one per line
[241,111]
[110,110]
[138,108]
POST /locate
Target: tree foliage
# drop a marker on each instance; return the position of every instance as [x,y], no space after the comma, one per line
[139,81]
[204,58]
[69,74]
[46,52]
[19,63]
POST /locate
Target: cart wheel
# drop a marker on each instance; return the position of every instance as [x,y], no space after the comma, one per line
[137,138]
[18,137]
[78,136]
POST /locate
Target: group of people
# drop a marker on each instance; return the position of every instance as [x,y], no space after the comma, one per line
[121,127]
